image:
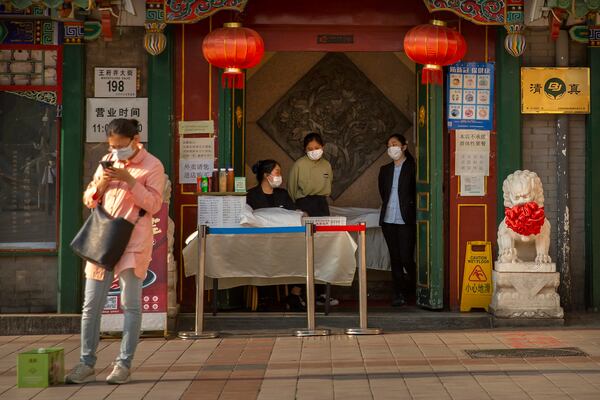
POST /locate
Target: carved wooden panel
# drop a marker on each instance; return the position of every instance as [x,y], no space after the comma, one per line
[336,99]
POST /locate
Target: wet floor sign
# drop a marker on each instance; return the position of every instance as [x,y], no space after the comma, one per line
[477,276]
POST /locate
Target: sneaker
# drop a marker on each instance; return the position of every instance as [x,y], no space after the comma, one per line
[322,299]
[119,375]
[80,374]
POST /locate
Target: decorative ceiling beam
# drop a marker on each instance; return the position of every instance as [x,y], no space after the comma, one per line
[190,11]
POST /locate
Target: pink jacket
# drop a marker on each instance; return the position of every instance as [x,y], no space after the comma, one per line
[120,200]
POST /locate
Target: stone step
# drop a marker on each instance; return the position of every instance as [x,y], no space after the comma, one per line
[395,320]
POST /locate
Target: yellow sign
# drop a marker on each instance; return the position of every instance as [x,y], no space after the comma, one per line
[555,90]
[477,276]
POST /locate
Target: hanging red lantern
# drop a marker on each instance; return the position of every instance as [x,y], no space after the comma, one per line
[435,46]
[233,48]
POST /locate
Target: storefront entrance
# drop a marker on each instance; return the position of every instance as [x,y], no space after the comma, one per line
[295,86]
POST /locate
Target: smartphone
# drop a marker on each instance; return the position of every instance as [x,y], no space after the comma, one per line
[107,164]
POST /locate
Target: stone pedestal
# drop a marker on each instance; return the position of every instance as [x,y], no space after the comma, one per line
[526,290]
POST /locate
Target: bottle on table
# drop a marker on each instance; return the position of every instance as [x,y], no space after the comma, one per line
[222,180]
[230,179]
[215,180]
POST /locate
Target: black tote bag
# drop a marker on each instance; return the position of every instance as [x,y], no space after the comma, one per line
[102,239]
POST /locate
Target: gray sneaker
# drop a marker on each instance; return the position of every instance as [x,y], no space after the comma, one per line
[119,375]
[80,374]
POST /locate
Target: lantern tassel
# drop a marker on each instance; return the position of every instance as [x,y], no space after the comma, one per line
[235,81]
[432,76]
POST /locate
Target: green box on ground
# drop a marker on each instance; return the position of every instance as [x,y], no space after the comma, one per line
[40,368]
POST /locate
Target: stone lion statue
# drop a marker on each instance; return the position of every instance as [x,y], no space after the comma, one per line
[524,219]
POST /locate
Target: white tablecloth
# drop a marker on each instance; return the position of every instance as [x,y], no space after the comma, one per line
[378,256]
[273,259]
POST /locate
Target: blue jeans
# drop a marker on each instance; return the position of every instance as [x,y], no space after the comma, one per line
[95,299]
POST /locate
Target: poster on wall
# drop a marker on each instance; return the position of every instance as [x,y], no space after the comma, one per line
[99,113]
[154,287]
[196,158]
[470,96]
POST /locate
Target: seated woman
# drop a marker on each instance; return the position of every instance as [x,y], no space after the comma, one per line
[267,193]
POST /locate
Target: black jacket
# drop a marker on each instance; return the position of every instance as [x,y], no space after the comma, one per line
[256,199]
[406,189]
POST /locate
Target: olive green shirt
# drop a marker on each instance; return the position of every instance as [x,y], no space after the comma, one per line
[310,178]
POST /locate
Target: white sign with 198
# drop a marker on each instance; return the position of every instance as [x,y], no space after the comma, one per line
[115,82]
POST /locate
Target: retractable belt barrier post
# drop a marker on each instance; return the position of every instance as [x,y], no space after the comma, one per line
[362,276]
[199,332]
[308,230]
[310,287]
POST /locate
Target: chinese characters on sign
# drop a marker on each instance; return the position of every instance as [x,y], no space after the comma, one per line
[555,90]
[115,82]
[101,111]
[196,158]
[477,276]
[220,211]
[472,161]
[470,94]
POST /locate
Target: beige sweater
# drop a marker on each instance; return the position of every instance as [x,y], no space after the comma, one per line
[310,178]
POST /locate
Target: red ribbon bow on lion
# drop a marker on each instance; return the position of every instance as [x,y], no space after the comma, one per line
[525,219]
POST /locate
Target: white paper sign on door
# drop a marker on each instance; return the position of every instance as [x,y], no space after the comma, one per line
[100,112]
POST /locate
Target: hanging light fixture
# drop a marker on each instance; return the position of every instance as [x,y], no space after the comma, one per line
[434,45]
[233,48]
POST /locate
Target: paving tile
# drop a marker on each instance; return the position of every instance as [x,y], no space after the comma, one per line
[423,365]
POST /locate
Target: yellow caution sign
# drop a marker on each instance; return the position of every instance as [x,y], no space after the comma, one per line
[477,276]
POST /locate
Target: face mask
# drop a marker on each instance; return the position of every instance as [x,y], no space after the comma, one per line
[123,154]
[275,181]
[395,152]
[315,154]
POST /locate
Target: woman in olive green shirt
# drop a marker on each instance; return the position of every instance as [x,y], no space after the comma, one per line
[310,178]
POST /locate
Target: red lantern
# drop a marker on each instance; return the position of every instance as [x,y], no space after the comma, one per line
[434,45]
[233,48]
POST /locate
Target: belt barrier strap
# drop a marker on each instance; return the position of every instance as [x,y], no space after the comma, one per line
[256,231]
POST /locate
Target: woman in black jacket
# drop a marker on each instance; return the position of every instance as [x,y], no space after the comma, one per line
[268,193]
[397,187]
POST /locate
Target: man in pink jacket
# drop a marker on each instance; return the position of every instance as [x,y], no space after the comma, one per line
[134,182]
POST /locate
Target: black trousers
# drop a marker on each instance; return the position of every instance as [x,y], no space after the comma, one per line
[400,240]
[314,206]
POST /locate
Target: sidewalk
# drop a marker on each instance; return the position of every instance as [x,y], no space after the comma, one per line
[392,366]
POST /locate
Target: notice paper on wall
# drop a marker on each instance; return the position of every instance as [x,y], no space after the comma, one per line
[472,153]
[472,185]
[220,211]
[472,161]
[196,158]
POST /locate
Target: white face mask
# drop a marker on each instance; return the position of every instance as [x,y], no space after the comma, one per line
[123,154]
[395,152]
[274,181]
[315,154]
